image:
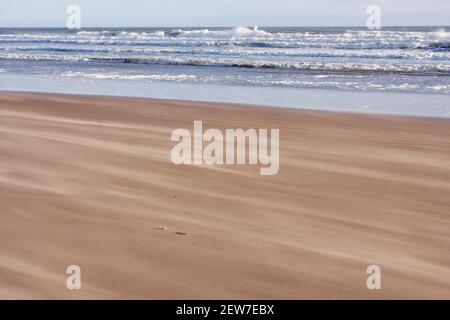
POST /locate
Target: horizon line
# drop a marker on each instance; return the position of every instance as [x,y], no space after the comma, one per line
[235,26]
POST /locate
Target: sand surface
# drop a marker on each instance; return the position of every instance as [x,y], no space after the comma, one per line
[88,181]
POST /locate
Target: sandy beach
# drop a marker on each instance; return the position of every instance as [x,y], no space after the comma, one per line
[88,181]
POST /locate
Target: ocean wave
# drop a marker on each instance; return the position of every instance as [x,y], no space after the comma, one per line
[272,52]
[305,66]
[440,45]
[306,82]
[406,59]
[152,77]
[276,44]
[246,37]
[238,32]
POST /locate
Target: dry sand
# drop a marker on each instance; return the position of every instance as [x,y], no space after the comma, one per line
[89,181]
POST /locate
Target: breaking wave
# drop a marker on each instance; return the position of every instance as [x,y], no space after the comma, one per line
[420,57]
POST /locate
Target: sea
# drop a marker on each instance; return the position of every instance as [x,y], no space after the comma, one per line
[394,70]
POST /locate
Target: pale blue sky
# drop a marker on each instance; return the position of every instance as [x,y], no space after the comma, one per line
[153,13]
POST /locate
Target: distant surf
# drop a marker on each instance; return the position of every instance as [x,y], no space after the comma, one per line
[414,59]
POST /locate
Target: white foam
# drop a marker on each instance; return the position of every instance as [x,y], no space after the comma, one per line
[153,77]
[441,34]
[238,32]
[358,59]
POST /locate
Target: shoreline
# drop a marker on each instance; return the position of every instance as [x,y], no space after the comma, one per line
[87,180]
[231,104]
